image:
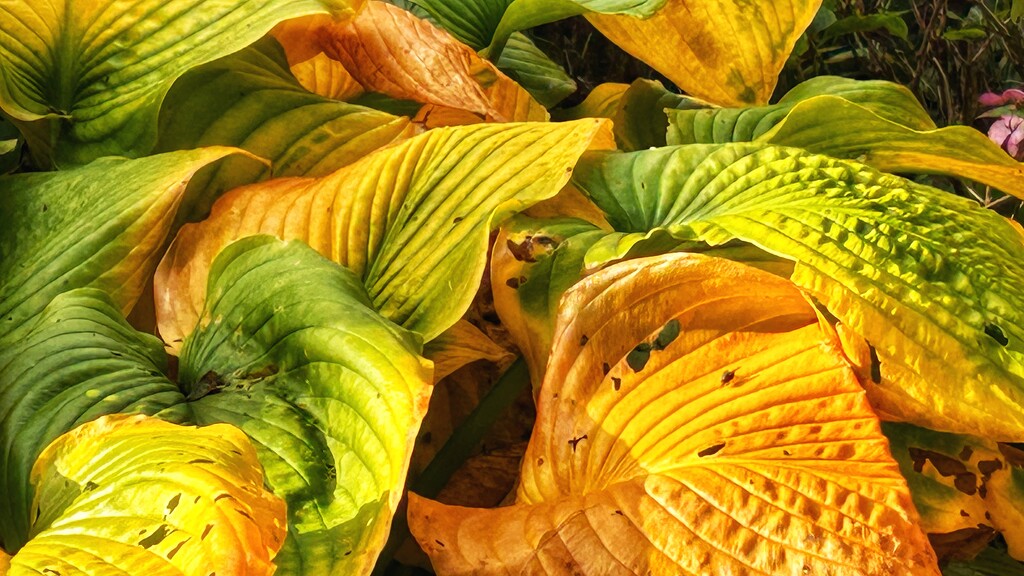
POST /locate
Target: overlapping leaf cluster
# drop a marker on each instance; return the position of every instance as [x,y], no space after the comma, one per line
[252,239]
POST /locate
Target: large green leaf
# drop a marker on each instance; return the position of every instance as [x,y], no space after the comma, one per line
[291,351]
[489,23]
[136,495]
[103,226]
[251,100]
[85,79]
[720,125]
[74,362]
[931,280]
[411,220]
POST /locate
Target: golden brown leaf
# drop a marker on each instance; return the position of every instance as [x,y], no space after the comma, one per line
[694,419]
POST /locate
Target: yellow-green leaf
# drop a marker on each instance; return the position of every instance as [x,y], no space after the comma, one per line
[710,125]
[136,495]
[695,419]
[931,280]
[101,226]
[411,220]
[250,100]
[85,79]
[729,52]
[834,126]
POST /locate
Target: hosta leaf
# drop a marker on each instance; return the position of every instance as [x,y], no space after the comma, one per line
[86,79]
[101,226]
[411,220]
[728,52]
[823,124]
[290,350]
[991,562]
[73,362]
[460,345]
[137,495]
[962,482]
[602,102]
[532,263]
[932,281]
[388,50]
[640,119]
[528,65]
[251,100]
[490,23]
[326,77]
[694,420]
[889,101]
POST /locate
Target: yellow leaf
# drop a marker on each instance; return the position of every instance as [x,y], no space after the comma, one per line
[137,495]
[729,52]
[326,77]
[694,419]
[411,220]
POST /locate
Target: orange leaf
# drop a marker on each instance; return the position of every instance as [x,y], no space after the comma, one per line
[391,51]
[694,419]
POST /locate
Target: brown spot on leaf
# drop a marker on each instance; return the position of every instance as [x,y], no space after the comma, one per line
[158,535]
[170,555]
[173,503]
[523,252]
[965,454]
[206,531]
[727,376]
[616,383]
[576,441]
[710,450]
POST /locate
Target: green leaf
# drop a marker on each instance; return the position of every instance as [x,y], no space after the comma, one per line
[931,280]
[75,361]
[523,14]
[528,65]
[85,79]
[136,495]
[291,351]
[251,100]
[720,125]
[892,22]
[641,120]
[102,226]
[966,34]
[412,220]
[490,23]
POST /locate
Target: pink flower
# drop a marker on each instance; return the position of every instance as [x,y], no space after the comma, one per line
[1011,96]
[1008,133]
